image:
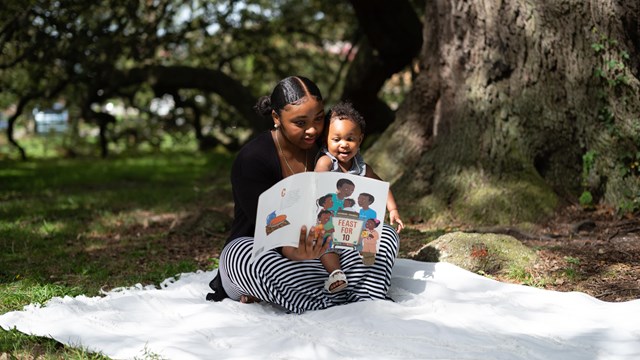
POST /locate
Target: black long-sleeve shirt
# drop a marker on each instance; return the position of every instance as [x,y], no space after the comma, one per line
[255,169]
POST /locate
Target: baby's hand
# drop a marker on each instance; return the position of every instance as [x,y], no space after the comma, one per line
[394,217]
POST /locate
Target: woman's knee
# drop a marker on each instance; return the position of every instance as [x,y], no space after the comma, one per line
[390,239]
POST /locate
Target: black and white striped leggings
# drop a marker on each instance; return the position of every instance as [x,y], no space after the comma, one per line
[298,286]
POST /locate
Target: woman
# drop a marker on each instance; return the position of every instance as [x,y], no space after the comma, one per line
[289,277]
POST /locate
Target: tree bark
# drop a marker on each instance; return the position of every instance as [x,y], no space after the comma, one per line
[393,39]
[11,126]
[170,79]
[506,104]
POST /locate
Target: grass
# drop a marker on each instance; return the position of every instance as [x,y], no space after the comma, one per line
[75,226]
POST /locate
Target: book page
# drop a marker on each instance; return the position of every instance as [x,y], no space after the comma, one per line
[282,210]
[347,209]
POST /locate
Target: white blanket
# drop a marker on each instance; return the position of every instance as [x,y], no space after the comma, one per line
[441,312]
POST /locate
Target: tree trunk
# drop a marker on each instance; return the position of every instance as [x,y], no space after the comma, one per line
[393,40]
[11,126]
[170,79]
[506,106]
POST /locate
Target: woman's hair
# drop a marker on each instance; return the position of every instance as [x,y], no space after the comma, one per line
[345,111]
[289,90]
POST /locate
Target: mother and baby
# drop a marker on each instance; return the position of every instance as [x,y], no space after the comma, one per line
[294,278]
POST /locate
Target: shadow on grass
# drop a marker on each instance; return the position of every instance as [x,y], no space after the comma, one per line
[95,223]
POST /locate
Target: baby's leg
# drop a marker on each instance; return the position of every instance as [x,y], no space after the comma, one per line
[337,280]
[331,261]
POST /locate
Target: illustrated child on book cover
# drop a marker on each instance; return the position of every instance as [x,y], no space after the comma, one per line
[344,189]
[364,201]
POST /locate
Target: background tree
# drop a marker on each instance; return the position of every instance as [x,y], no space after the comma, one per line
[515,104]
[231,51]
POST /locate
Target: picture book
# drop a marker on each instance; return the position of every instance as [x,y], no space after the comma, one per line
[349,208]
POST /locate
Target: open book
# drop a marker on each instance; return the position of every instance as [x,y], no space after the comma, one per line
[349,208]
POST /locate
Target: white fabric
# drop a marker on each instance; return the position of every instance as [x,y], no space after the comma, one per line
[441,312]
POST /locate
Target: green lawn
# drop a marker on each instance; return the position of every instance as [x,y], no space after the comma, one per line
[75,226]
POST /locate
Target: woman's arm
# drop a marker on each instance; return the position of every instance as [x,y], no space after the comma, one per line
[250,177]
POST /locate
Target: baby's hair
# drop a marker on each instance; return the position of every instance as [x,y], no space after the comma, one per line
[322,212]
[345,111]
[371,198]
[323,199]
[344,181]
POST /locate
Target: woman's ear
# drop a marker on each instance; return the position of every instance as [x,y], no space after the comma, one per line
[276,119]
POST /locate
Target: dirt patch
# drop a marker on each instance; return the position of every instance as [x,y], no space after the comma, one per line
[596,252]
[592,251]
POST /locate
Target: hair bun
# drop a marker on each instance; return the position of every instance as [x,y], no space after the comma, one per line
[263,106]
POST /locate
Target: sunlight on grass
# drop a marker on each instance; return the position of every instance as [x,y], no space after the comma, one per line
[49,228]
[75,226]
[20,292]
[22,346]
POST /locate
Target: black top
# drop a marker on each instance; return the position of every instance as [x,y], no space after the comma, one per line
[255,169]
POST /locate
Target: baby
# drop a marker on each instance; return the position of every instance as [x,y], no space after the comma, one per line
[344,135]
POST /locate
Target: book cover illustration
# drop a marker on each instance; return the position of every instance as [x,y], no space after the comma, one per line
[349,209]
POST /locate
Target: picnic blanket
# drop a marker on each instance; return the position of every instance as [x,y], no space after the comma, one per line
[440,312]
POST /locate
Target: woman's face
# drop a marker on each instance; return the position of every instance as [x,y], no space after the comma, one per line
[303,123]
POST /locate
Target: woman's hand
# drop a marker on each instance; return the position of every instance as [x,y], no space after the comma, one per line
[309,247]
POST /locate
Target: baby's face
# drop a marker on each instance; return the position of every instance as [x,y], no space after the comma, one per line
[343,139]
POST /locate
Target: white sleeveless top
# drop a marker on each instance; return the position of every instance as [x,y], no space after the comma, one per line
[358,167]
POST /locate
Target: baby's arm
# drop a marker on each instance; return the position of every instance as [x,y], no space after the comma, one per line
[392,207]
[323,164]
[394,215]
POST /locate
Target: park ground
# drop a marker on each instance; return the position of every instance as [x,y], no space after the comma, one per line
[592,251]
[82,226]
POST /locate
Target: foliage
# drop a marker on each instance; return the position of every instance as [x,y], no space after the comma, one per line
[615,151]
[588,161]
[86,54]
[77,226]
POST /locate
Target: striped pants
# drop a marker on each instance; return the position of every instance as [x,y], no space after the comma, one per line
[298,286]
